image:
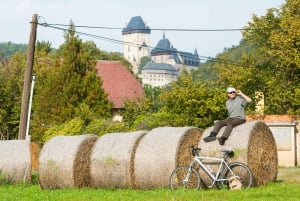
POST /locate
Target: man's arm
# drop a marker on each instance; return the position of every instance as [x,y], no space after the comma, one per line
[247,98]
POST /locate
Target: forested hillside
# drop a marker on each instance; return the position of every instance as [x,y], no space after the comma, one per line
[9,48]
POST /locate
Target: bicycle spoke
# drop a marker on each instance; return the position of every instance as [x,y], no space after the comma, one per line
[182,178]
[242,177]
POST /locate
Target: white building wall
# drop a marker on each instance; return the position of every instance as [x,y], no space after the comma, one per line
[133,50]
[157,78]
[162,59]
[285,138]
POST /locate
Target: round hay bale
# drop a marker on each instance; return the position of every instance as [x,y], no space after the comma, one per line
[15,161]
[253,144]
[112,160]
[64,162]
[159,152]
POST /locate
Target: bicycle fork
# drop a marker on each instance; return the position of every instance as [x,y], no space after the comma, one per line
[187,177]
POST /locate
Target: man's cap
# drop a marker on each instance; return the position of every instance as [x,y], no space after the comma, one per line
[230,89]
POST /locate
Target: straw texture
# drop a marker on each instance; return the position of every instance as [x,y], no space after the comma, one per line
[112,160]
[15,161]
[159,152]
[64,162]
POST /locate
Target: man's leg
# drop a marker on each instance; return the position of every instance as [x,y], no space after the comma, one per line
[232,122]
[218,125]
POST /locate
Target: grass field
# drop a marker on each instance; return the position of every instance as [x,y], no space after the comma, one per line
[286,188]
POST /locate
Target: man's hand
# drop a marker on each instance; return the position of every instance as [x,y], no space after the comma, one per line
[240,93]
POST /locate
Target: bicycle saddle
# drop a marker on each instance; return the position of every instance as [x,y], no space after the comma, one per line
[228,153]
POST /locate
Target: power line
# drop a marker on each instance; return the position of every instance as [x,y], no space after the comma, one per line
[173,29]
[55,26]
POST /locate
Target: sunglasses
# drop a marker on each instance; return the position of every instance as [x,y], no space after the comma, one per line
[233,92]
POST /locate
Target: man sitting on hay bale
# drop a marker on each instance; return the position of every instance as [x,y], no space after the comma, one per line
[235,105]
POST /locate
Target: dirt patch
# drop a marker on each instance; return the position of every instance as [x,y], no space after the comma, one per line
[34,151]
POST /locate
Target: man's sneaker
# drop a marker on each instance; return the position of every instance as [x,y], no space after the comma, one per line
[211,137]
[222,140]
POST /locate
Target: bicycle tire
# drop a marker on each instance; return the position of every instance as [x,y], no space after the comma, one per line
[242,171]
[179,174]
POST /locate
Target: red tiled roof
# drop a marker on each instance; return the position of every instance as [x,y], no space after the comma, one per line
[118,82]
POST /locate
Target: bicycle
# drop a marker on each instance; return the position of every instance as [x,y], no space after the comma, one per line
[233,175]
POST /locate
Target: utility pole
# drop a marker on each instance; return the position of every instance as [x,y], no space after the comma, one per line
[27,79]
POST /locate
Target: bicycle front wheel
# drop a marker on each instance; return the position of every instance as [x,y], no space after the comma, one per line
[240,176]
[185,177]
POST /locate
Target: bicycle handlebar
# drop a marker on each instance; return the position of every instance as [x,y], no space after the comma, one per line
[195,150]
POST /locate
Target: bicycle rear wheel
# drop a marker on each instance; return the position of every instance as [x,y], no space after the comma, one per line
[181,178]
[241,176]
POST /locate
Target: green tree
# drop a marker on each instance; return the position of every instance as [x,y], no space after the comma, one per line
[199,104]
[267,60]
[115,56]
[143,62]
[276,59]
[70,82]
[11,81]
[146,106]
[3,59]
[186,102]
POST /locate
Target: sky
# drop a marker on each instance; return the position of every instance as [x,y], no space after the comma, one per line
[16,15]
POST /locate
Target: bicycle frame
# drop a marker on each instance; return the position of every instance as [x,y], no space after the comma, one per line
[232,175]
[215,177]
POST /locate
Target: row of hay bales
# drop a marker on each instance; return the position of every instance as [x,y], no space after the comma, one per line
[138,159]
[141,159]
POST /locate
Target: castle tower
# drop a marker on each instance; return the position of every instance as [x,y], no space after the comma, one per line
[136,38]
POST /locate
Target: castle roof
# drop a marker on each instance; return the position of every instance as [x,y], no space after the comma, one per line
[136,25]
[164,46]
[158,66]
[189,58]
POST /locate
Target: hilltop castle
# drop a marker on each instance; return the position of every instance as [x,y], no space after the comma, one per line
[166,61]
